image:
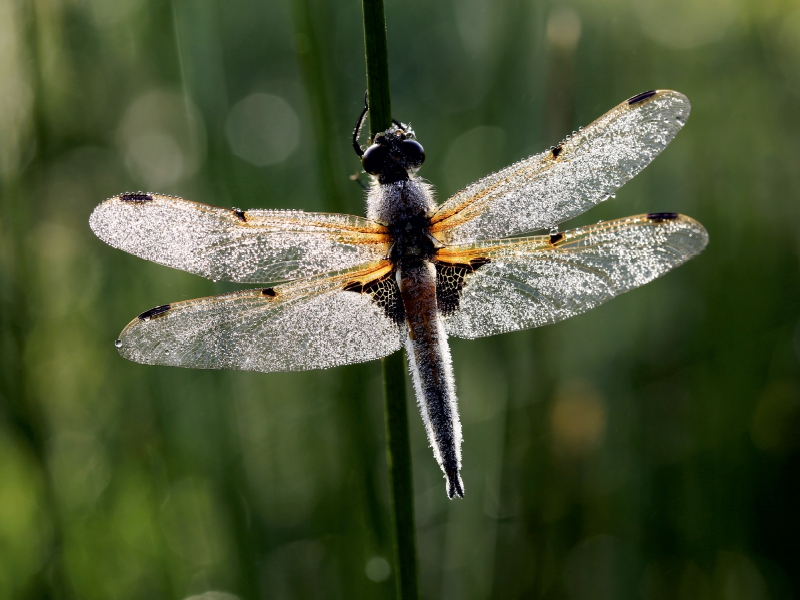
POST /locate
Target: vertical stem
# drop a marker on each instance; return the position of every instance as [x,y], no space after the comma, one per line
[394,382]
[377,50]
[400,482]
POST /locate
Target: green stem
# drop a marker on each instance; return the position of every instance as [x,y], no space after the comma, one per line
[377,50]
[401,487]
[394,377]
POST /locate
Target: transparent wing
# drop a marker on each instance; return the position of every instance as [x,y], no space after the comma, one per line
[528,282]
[549,188]
[309,324]
[232,245]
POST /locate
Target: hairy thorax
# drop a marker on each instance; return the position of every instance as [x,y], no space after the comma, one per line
[401,200]
[404,207]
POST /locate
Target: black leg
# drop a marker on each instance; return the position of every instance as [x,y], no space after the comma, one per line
[359,124]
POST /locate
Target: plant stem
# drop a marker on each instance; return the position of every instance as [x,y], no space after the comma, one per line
[398,452]
[394,378]
[377,51]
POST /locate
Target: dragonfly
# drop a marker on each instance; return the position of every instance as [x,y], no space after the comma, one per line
[410,274]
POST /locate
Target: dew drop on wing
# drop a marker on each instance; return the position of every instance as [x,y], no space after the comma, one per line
[118,343]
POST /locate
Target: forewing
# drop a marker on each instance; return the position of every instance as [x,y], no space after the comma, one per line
[309,324]
[254,246]
[549,188]
[535,281]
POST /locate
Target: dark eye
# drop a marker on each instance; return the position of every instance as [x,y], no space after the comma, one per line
[413,153]
[374,159]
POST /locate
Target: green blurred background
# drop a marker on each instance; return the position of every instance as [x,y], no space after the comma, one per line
[649,449]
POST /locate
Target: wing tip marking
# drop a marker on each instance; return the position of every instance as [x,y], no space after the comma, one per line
[136,197]
[660,217]
[154,312]
[641,97]
[240,214]
[556,237]
[269,292]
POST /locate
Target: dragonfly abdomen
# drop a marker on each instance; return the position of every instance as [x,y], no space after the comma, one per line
[432,369]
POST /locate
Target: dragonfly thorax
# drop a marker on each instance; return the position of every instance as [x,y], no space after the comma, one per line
[392,203]
[412,241]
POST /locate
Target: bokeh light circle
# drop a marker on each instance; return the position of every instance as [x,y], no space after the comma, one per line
[263,129]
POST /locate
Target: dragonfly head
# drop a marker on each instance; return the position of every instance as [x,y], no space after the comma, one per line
[393,154]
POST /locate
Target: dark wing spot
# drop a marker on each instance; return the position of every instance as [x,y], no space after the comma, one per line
[658,217]
[556,237]
[641,97]
[385,293]
[556,150]
[450,279]
[154,312]
[269,292]
[136,197]
[239,213]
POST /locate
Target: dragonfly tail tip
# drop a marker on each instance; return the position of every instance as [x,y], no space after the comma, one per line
[455,486]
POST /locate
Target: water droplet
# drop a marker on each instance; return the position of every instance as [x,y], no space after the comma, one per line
[554,230]
[118,343]
[146,319]
[378,569]
[613,195]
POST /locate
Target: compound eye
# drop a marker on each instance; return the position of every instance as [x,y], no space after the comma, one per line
[413,153]
[374,159]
